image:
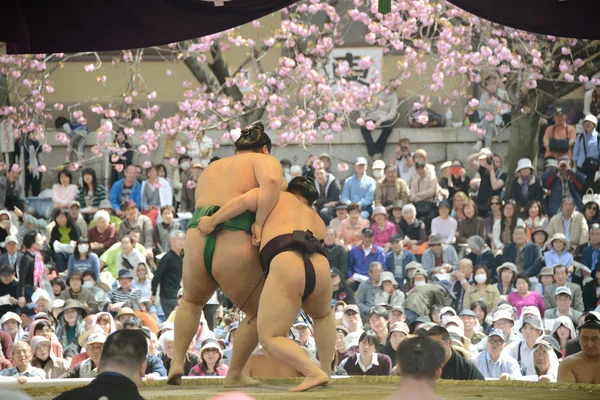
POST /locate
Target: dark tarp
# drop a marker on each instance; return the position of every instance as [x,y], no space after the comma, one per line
[565,18]
[67,26]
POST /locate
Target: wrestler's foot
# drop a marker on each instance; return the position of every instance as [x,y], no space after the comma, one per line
[311,381]
[241,381]
[175,375]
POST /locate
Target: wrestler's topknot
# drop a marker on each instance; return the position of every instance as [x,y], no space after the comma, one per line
[253,138]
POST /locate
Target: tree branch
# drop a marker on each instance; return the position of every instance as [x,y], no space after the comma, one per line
[202,73]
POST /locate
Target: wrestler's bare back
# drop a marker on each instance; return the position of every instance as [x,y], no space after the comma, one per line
[291,214]
[578,368]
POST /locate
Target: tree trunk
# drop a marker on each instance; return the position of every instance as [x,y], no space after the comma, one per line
[4,101]
[523,141]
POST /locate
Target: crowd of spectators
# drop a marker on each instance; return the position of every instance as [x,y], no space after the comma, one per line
[499,272]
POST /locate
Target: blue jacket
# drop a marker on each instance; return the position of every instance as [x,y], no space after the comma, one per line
[591,147]
[155,364]
[587,257]
[359,191]
[407,257]
[553,183]
[358,263]
[117,190]
[532,257]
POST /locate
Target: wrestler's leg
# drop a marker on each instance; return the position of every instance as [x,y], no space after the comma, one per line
[318,307]
[280,303]
[198,289]
[237,269]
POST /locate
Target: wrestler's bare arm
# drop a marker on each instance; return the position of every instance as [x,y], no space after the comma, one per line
[565,371]
[268,173]
[234,207]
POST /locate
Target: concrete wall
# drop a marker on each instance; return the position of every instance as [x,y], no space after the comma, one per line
[441,144]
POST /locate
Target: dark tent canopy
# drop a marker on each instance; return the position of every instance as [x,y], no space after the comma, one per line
[565,18]
[69,26]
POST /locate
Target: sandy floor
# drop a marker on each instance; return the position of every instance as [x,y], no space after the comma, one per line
[364,388]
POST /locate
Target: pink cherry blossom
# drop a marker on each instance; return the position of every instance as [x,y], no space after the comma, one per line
[190,184]
[89,67]
[143,149]
[15,168]
[42,168]
[46,148]
[342,167]
[473,103]
[370,125]
[173,161]
[118,167]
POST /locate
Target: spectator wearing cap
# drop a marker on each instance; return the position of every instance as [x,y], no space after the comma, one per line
[383,229]
[361,256]
[561,278]
[561,178]
[590,256]
[76,291]
[586,152]
[494,363]
[305,337]
[337,255]
[341,289]
[563,298]
[559,251]
[505,321]
[526,256]
[329,193]
[414,229]
[74,210]
[12,193]
[444,225]
[545,278]
[22,370]
[392,189]
[439,254]
[506,274]
[532,330]
[352,320]
[88,368]
[125,189]
[493,179]
[105,205]
[8,289]
[325,160]
[524,296]
[341,214]
[454,366]
[136,219]
[211,364]
[482,290]
[383,113]
[368,361]
[360,188]
[349,233]
[63,237]
[367,289]
[556,134]
[397,333]
[469,320]
[395,216]
[526,186]
[543,366]
[423,192]
[124,292]
[398,258]
[12,256]
[389,294]
[64,192]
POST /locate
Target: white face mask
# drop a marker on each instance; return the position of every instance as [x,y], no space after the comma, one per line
[480,278]
[419,283]
[185,165]
[339,315]
[88,285]
[442,277]
[83,248]
[377,173]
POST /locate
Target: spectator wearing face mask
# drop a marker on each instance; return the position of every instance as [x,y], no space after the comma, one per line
[482,290]
[83,259]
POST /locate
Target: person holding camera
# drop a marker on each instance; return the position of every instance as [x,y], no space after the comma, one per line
[492,177]
[561,179]
[586,152]
[403,159]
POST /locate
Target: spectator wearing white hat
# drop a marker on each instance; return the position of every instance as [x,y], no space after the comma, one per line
[494,363]
[42,299]
[384,229]
[211,364]
[526,187]
[360,188]
[89,367]
[564,297]
[388,293]
[12,256]
[586,152]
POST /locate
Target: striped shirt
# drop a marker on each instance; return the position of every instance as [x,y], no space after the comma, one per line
[118,296]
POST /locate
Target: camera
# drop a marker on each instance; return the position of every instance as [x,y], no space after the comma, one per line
[404,148]
[489,160]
